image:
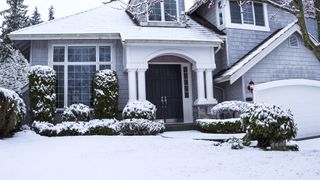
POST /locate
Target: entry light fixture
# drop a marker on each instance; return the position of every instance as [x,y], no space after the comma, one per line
[251,86]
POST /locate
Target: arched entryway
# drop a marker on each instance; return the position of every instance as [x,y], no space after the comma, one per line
[169,87]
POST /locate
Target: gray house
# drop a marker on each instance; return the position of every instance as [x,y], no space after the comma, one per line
[188,65]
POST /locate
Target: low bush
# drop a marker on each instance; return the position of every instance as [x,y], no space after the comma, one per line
[76,112]
[99,127]
[106,94]
[141,127]
[268,124]
[42,83]
[219,125]
[231,109]
[93,127]
[139,110]
[12,112]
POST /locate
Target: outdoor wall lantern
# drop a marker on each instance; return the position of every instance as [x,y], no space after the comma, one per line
[251,86]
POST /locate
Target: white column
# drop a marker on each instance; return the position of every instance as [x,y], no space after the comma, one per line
[200,86]
[209,84]
[142,84]
[132,84]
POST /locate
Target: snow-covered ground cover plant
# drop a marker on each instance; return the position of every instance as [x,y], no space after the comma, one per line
[139,110]
[37,157]
[100,127]
[12,112]
[230,109]
[76,112]
[13,69]
[268,124]
[42,83]
[219,125]
[106,94]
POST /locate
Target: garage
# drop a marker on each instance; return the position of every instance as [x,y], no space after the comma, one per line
[301,96]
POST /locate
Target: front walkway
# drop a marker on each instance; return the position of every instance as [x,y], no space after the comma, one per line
[197,135]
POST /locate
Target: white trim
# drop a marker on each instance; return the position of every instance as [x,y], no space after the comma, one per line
[97,63]
[253,27]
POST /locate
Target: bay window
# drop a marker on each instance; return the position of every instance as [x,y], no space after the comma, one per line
[75,67]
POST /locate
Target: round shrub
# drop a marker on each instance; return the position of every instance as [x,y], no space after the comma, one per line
[12,112]
[230,109]
[268,124]
[106,94]
[139,110]
[42,83]
[76,112]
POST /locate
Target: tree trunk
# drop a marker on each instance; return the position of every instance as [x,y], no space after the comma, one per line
[303,27]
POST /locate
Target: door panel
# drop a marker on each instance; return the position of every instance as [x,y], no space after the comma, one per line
[165,81]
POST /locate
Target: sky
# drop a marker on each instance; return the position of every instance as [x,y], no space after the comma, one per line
[62,7]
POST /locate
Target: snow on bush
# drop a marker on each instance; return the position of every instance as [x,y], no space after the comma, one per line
[230,108]
[93,127]
[106,94]
[219,125]
[76,112]
[13,69]
[140,127]
[12,112]
[100,127]
[42,82]
[139,110]
[268,124]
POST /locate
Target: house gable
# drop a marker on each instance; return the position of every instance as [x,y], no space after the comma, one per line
[252,58]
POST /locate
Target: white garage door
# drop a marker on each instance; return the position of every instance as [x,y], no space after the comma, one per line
[302,97]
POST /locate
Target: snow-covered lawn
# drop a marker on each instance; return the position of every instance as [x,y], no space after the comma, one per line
[28,156]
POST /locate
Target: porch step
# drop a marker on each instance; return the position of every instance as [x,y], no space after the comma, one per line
[179,126]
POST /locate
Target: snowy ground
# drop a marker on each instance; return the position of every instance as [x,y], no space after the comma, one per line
[28,156]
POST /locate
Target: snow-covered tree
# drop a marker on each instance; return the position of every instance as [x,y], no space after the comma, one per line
[13,68]
[15,17]
[36,17]
[51,13]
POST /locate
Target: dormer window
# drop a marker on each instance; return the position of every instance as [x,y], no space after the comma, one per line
[166,10]
[249,15]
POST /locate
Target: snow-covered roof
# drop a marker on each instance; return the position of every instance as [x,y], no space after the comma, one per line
[257,54]
[112,21]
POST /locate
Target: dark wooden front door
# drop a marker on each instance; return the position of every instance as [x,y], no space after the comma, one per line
[163,82]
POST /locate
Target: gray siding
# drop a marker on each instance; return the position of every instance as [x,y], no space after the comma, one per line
[39,53]
[39,56]
[232,92]
[285,63]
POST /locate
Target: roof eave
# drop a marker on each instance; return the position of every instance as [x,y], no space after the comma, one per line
[64,36]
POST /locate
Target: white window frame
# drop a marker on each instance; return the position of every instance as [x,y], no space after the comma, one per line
[229,24]
[163,18]
[66,63]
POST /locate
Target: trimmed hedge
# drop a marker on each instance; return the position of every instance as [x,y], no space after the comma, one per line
[219,125]
[42,83]
[12,112]
[139,110]
[106,94]
[76,112]
[268,124]
[100,127]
